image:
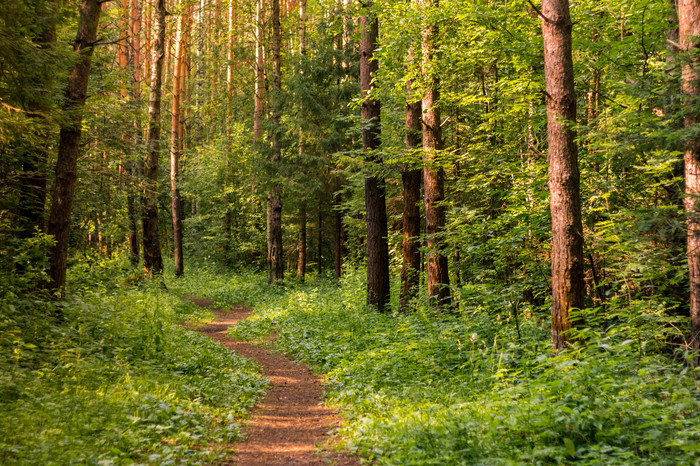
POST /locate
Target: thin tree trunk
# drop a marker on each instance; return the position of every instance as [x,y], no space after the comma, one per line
[259,73]
[301,264]
[689,31]
[152,258]
[375,194]
[275,271]
[411,179]
[69,143]
[319,243]
[433,174]
[177,138]
[565,204]
[32,198]
[338,237]
[131,165]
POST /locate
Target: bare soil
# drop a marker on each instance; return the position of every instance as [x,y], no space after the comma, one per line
[291,425]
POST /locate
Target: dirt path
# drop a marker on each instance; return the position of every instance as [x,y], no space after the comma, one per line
[287,426]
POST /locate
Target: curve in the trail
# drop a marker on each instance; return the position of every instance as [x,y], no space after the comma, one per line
[289,424]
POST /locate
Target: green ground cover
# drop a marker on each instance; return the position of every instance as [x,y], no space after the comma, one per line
[115,379]
[467,388]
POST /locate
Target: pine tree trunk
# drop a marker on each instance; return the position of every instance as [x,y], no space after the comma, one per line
[689,31]
[433,175]
[338,237]
[275,271]
[176,138]
[411,179]
[33,182]
[131,165]
[301,264]
[565,204]
[69,143]
[375,194]
[152,258]
[259,73]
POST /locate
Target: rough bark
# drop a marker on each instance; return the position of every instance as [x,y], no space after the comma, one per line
[275,257]
[176,138]
[69,143]
[433,174]
[259,72]
[689,31]
[132,171]
[375,195]
[301,264]
[565,204]
[338,237]
[411,180]
[34,176]
[152,258]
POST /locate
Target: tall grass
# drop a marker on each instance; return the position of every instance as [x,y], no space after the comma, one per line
[115,379]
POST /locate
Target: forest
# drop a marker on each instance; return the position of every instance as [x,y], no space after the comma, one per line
[476,223]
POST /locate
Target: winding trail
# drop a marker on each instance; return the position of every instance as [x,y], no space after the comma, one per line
[289,424]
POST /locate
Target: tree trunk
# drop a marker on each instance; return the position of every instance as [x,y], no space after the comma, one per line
[131,165]
[259,73]
[338,237]
[32,197]
[301,265]
[69,143]
[152,258]
[176,138]
[433,174]
[689,30]
[275,266]
[375,194]
[411,179]
[565,204]
[319,243]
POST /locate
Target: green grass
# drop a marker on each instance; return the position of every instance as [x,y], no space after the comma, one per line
[422,388]
[117,380]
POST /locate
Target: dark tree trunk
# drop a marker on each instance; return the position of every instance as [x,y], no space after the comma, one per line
[338,237]
[689,31]
[411,179]
[131,165]
[301,264]
[433,175]
[176,139]
[69,143]
[375,195]
[319,243]
[152,258]
[565,204]
[32,197]
[275,266]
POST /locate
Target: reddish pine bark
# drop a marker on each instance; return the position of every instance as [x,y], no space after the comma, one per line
[176,138]
[411,179]
[375,196]
[433,175]
[301,264]
[69,143]
[152,258]
[565,204]
[689,31]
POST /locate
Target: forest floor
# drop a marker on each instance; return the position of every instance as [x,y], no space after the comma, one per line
[290,425]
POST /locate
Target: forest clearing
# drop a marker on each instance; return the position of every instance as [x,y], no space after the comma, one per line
[333,232]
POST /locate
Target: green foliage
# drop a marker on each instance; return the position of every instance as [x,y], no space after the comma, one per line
[470,387]
[115,378]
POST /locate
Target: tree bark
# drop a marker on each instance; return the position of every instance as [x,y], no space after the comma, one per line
[32,196]
[152,258]
[433,174]
[375,194]
[565,204]
[275,265]
[689,31]
[69,143]
[176,138]
[411,179]
[131,169]
[259,73]
[301,264]
[339,237]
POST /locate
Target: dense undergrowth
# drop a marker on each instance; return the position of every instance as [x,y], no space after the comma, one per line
[109,376]
[471,387]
